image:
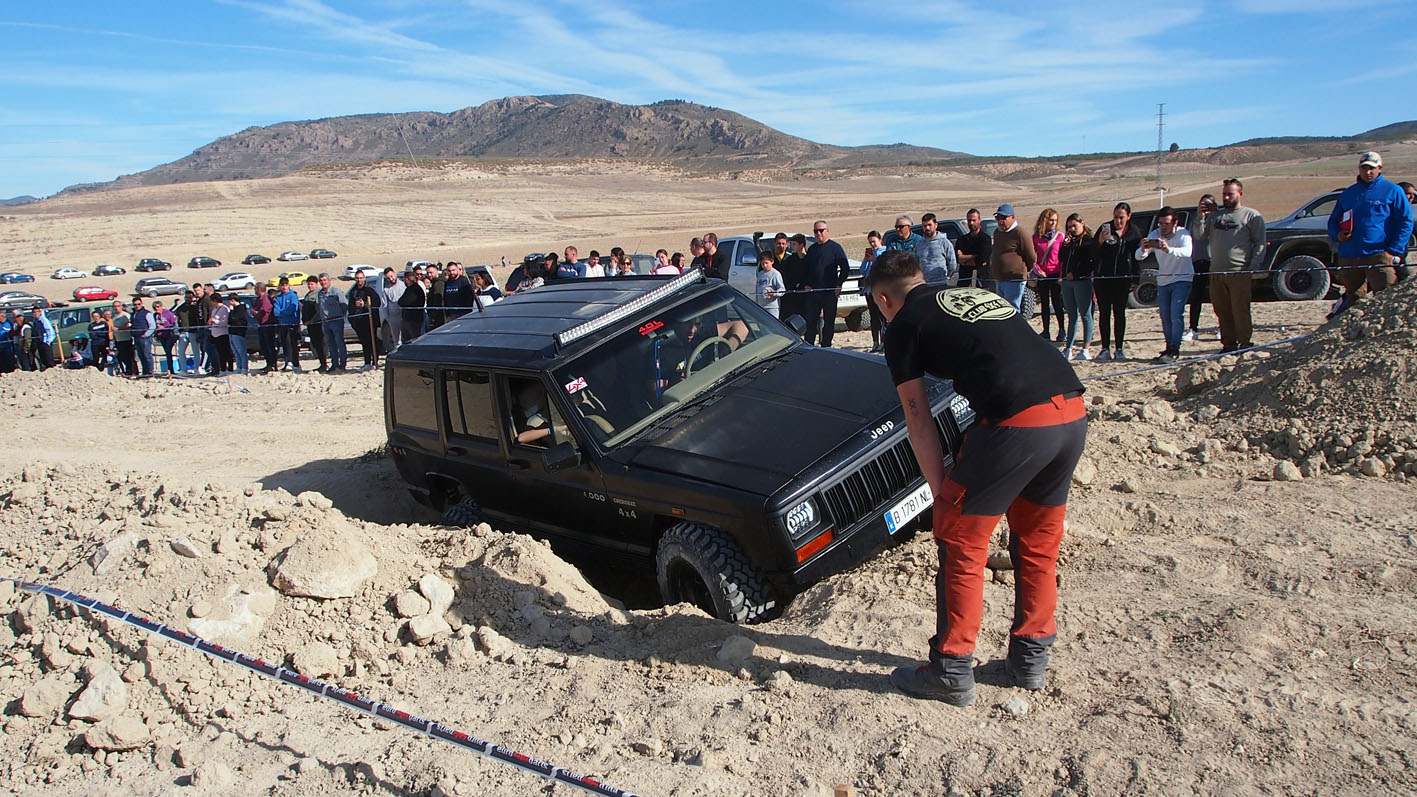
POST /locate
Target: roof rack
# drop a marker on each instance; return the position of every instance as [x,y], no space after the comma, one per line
[691,277]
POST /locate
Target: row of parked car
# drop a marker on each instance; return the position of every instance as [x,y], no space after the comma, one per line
[155,264]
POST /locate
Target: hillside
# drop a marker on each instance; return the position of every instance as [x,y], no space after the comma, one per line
[549,127]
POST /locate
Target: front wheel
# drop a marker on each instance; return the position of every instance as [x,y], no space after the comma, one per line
[701,565]
[1301,278]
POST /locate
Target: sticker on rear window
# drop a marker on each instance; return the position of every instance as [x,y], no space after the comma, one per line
[576,384]
[651,327]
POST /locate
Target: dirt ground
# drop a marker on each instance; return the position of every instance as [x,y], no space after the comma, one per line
[1225,625]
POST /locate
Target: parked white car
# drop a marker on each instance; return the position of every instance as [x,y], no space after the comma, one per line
[370,272]
[68,273]
[292,255]
[235,281]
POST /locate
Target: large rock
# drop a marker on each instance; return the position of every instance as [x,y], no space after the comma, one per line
[736,648]
[316,660]
[32,613]
[112,553]
[438,592]
[1085,472]
[427,628]
[328,563]
[1157,411]
[105,695]
[410,604]
[1194,378]
[124,732]
[239,615]
[1286,471]
[44,698]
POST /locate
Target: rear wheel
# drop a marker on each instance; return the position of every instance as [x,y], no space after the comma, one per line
[701,565]
[858,320]
[1301,278]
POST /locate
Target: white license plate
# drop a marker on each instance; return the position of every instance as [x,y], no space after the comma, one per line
[909,508]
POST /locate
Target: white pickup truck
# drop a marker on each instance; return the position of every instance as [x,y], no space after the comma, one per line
[743,274]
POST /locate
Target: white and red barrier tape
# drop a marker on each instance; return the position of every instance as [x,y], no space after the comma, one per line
[346,698]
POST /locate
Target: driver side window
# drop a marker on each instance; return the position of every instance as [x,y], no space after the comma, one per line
[1323,208]
[534,420]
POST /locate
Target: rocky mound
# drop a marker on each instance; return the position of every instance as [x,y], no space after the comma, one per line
[1345,398]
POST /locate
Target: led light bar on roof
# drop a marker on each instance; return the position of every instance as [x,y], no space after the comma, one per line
[610,317]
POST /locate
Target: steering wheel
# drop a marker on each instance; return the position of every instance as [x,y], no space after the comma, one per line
[699,349]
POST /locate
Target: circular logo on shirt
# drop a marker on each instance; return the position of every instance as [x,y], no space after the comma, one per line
[974,304]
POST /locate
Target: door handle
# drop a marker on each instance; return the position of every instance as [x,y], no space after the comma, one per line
[519,464]
[457,451]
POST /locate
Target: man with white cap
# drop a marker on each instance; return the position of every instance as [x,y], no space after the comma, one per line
[1371,223]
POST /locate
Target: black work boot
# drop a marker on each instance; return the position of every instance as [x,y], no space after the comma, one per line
[1027,661]
[949,679]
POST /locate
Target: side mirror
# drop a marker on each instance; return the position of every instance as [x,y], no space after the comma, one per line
[560,457]
[749,259]
[797,322]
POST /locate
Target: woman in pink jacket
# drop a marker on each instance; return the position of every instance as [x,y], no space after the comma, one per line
[1047,240]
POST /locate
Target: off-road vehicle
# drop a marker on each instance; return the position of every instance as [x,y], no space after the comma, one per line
[663,423]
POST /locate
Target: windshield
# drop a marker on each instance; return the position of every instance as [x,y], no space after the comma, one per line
[643,374]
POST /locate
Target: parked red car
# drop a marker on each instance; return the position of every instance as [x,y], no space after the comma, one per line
[93,293]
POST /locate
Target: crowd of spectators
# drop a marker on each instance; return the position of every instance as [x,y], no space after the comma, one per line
[1083,279]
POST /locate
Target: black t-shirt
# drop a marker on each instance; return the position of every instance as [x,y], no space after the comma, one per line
[980,244]
[980,341]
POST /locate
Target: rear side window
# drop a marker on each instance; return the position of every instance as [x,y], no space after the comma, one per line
[413,398]
[471,413]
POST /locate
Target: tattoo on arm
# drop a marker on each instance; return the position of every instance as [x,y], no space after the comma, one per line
[914,408]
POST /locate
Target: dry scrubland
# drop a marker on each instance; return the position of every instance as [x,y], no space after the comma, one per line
[1237,578]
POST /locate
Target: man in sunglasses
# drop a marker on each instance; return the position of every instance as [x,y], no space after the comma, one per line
[906,239]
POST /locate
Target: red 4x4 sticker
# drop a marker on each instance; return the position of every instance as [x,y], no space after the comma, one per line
[576,384]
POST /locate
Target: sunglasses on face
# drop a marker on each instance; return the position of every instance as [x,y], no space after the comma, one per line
[902,226]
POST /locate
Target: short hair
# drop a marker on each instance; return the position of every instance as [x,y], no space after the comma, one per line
[283,281]
[324,275]
[782,236]
[928,217]
[1166,211]
[696,242]
[1405,186]
[765,254]
[906,219]
[799,238]
[711,237]
[617,252]
[593,254]
[894,266]
[570,248]
[309,280]
[1235,181]
[216,296]
[972,211]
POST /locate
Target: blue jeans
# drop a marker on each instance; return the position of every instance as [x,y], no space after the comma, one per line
[186,340]
[144,347]
[1171,301]
[1012,291]
[334,343]
[1077,301]
[239,354]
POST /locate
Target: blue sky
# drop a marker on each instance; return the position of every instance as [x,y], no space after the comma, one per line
[92,90]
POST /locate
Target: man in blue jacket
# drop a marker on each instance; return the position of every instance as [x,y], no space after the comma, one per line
[287,311]
[1371,222]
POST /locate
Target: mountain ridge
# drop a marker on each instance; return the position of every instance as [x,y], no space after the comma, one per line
[575,126]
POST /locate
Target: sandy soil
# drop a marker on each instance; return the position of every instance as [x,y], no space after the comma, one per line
[1221,630]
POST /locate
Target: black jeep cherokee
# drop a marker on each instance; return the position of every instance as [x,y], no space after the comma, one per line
[667,422]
